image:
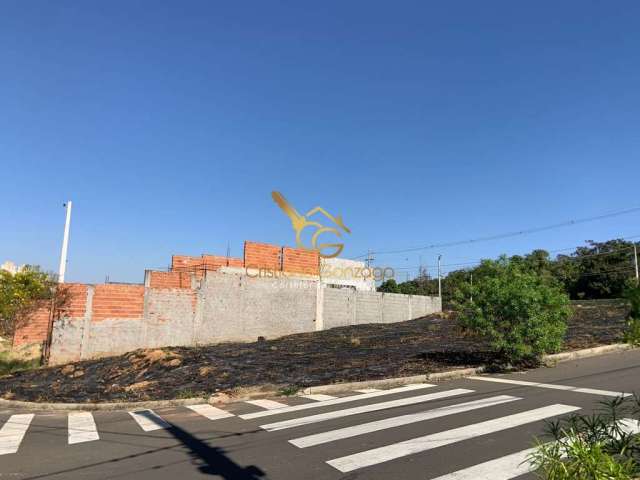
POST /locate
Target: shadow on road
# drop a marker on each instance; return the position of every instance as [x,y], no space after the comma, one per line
[212,460]
[209,460]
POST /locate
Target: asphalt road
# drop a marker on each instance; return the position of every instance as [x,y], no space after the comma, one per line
[459,430]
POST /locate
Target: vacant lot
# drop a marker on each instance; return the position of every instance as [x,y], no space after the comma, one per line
[362,352]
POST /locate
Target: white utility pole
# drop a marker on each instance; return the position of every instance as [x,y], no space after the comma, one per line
[65,244]
[472,287]
[439,278]
[635,256]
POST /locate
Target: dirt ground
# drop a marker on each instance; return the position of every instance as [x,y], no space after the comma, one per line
[363,352]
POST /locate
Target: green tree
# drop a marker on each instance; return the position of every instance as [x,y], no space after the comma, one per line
[598,270]
[20,294]
[523,314]
[389,286]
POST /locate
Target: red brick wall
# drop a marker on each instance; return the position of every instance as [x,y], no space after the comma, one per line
[76,300]
[170,280]
[298,260]
[34,329]
[256,255]
[117,301]
[214,262]
[184,263]
[262,255]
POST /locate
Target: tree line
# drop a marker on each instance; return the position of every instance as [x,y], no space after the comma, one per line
[597,270]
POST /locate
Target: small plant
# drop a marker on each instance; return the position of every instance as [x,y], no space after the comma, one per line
[188,393]
[288,390]
[632,334]
[603,446]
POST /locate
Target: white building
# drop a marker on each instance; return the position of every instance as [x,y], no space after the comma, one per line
[348,273]
[11,267]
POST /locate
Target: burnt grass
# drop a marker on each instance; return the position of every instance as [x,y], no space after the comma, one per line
[345,354]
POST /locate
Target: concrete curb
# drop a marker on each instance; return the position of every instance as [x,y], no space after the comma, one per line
[99,406]
[273,390]
[585,353]
[393,382]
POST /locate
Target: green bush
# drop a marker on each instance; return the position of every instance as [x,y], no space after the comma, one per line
[20,293]
[522,314]
[602,446]
[632,335]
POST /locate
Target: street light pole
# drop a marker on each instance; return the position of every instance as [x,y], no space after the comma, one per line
[65,244]
[635,256]
[439,278]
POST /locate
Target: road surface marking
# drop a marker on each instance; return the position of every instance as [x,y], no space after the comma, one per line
[268,404]
[149,420]
[337,401]
[447,437]
[392,422]
[212,413]
[503,468]
[630,426]
[514,465]
[553,386]
[367,390]
[82,427]
[318,397]
[372,407]
[12,432]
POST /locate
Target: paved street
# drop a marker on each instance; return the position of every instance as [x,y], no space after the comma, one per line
[465,429]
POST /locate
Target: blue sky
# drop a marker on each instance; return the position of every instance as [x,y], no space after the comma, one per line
[169,123]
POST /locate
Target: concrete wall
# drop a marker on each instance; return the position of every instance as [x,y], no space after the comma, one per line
[339,307]
[171,309]
[346,306]
[241,308]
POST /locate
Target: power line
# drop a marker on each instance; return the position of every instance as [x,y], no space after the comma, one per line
[508,234]
[564,257]
[629,268]
[582,246]
[604,272]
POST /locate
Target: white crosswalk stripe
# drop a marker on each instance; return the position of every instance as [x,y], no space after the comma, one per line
[503,468]
[392,422]
[371,407]
[630,426]
[318,397]
[268,404]
[420,444]
[553,386]
[337,401]
[209,411]
[82,427]
[515,464]
[12,432]
[149,420]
